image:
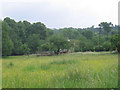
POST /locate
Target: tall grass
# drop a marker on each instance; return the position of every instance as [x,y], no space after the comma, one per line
[64,71]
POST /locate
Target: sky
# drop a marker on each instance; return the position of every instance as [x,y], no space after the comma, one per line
[61,13]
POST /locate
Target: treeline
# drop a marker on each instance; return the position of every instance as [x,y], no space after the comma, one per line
[19,38]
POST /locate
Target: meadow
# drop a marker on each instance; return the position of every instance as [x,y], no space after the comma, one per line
[75,70]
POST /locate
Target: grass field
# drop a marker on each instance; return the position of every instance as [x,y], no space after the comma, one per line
[79,70]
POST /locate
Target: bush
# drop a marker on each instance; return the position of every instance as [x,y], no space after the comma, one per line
[10,64]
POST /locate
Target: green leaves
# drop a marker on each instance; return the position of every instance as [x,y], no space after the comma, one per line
[106,26]
[115,40]
[58,42]
[7,44]
[23,37]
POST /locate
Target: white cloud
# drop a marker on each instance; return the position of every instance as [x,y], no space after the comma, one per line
[61,13]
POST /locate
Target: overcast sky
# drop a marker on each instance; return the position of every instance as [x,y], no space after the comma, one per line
[61,13]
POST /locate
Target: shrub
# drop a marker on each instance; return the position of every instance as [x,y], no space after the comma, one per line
[10,64]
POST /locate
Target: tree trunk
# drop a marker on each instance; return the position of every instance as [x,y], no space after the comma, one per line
[58,51]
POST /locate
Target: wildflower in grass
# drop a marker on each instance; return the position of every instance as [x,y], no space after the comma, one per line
[37,72]
[86,74]
[68,77]
[88,70]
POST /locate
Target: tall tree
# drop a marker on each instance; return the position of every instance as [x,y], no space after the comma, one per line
[33,43]
[7,44]
[21,31]
[88,34]
[106,27]
[14,36]
[38,28]
[115,41]
[58,42]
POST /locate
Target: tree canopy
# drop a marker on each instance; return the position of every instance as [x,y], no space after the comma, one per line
[23,37]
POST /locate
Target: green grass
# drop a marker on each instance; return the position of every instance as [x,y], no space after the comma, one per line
[79,70]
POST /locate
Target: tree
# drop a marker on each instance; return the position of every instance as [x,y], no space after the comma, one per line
[33,43]
[22,31]
[106,46]
[25,50]
[14,36]
[115,41]
[75,45]
[23,37]
[58,42]
[37,28]
[85,45]
[49,32]
[88,34]
[45,47]
[106,27]
[7,44]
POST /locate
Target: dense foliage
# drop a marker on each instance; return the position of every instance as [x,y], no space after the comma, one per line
[19,38]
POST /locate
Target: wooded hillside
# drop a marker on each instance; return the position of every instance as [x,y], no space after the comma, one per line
[23,37]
